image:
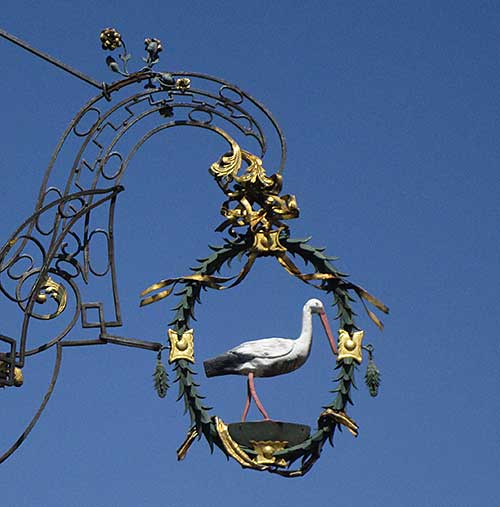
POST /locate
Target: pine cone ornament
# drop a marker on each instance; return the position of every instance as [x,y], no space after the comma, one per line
[160,377]
[372,377]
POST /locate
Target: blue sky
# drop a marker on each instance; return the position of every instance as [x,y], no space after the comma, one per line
[390,110]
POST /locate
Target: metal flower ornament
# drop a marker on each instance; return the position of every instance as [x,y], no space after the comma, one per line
[59,260]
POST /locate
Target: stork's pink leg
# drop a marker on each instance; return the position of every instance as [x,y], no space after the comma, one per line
[253,393]
[247,404]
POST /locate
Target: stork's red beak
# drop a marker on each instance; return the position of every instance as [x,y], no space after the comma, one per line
[328,331]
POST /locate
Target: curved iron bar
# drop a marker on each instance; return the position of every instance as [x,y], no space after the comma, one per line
[146,76]
[10,265]
[261,106]
[165,126]
[143,115]
[110,150]
[104,120]
[149,75]
[35,216]
[24,435]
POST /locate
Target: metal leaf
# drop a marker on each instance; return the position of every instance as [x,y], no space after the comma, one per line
[160,376]
[375,319]
[372,299]
[372,378]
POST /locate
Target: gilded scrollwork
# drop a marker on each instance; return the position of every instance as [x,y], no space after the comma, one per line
[57,292]
[254,199]
[234,450]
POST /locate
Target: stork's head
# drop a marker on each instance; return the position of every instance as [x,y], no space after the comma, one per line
[315,306]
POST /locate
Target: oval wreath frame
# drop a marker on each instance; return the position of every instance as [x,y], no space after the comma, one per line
[326,278]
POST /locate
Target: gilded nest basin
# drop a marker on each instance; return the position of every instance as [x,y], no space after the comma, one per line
[268,437]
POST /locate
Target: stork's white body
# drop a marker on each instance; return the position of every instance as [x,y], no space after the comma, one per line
[270,356]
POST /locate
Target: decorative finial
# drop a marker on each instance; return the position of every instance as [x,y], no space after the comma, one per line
[160,377]
[183,83]
[153,46]
[110,39]
[372,375]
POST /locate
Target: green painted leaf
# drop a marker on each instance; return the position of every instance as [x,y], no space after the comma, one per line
[160,377]
[372,378]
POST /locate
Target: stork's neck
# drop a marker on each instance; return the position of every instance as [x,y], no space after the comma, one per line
[305,339]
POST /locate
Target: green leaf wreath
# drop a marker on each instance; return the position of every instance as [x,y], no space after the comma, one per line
[343,293]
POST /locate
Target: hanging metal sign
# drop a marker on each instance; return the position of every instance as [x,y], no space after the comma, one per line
[58,259]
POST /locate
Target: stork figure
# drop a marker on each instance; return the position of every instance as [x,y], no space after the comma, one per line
[271,356]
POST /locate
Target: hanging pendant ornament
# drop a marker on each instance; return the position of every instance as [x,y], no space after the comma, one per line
[256,215]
